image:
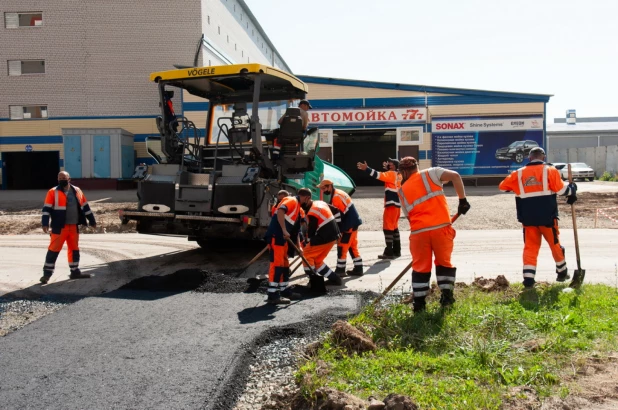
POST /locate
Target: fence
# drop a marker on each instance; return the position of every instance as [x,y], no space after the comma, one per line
[601,159]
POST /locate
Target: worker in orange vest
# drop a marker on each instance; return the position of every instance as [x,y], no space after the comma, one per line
[284,222]
[431,233]
[536,186]
[65,208]
[392,207]
[322,235]
[350,221]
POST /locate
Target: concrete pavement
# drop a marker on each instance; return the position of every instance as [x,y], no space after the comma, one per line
[116,259]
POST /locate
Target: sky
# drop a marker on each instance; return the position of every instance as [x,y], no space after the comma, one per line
[566,48]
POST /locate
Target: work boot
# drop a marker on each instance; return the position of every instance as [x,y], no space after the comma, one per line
[287,293]
[44,279]
[334,280]
[447,298]
[279,301]
[561,277]
[388,253]
[340,271]
[397,248]
[357,271]
[419,304]
[77,274]
[529,283]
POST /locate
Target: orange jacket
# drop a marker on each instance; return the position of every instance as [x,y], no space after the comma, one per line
[424,201]
[322,226]
[536,186]
[392,182]
[55,208]
[350,219]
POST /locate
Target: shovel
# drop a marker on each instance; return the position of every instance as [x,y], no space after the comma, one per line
[403,272]
[579,274]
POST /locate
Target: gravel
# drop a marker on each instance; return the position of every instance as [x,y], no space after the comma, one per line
[17,313]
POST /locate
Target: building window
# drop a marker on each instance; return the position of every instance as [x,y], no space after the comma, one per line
[16,20]
[240,16]
[219,29]
[409,136]
[25,67]
[252,32]
[228,39]
[242,53]
[26,112]
[247,25]
[208,19]
[235,48]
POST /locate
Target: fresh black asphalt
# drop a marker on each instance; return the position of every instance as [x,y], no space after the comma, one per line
[146,350]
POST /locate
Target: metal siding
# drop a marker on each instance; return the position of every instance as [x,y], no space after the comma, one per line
[325,91]
[486,109]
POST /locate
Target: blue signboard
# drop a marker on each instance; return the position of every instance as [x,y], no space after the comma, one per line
[484,146]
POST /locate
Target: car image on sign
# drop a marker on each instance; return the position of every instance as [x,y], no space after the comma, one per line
[517,151]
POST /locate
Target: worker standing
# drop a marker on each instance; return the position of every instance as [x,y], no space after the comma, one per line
[350,221]
[65,207]
[285,219]
[431,233]
[392,206]
[536,186]
[322,235]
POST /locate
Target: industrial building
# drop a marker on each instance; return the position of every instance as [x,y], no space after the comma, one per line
[75,95]
[74,76]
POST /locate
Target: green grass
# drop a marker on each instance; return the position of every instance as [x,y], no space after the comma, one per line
[471,355]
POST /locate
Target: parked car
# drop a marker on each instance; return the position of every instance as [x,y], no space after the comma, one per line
[579,170]
[517,151]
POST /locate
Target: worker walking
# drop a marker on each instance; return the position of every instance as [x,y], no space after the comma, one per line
[431,233]
[322,235]
[536,186]
[392,207]
[350,221]
[65,207]
[284,223]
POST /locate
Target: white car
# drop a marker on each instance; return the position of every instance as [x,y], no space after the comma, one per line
[579,170]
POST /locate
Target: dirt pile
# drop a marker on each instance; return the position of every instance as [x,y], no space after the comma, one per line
[352,339]
[499,284]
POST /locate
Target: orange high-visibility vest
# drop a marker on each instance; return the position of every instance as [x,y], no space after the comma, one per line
[424,201]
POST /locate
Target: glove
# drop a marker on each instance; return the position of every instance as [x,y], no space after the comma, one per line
[464,206]
[571,199]
[572,188]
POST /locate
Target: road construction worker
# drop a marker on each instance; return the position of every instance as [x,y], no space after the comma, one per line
[322,235]
[392,207]
[65,207]
[536,186]
[431,233]
[350,221]
[285,221]
[304,106]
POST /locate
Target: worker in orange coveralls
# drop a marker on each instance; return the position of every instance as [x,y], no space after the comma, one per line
[536,186]
[322,235]
[64,209]
[392,207]
[431,233]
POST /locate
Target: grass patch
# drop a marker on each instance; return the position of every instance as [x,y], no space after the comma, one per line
[470,356]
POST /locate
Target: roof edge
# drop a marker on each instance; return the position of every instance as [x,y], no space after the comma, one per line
[421,88]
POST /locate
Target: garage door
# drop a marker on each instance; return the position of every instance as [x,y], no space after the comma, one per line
[373,146]
[31,170]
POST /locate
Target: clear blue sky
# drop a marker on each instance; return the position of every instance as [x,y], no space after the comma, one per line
[566,48]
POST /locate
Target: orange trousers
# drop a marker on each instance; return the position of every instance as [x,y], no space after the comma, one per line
[532,244]
[437,243]
[348,242]
[315,255]
[279,263]
[70,235]
[390,218]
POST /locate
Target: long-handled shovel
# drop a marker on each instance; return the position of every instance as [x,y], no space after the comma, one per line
[579,274]
[403,272]
[316,281]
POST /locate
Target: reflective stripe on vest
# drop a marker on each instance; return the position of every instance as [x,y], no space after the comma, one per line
[322,213]
[347,201]
[429,194]
[544,192]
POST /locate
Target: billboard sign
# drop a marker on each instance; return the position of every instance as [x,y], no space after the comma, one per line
[484,146]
